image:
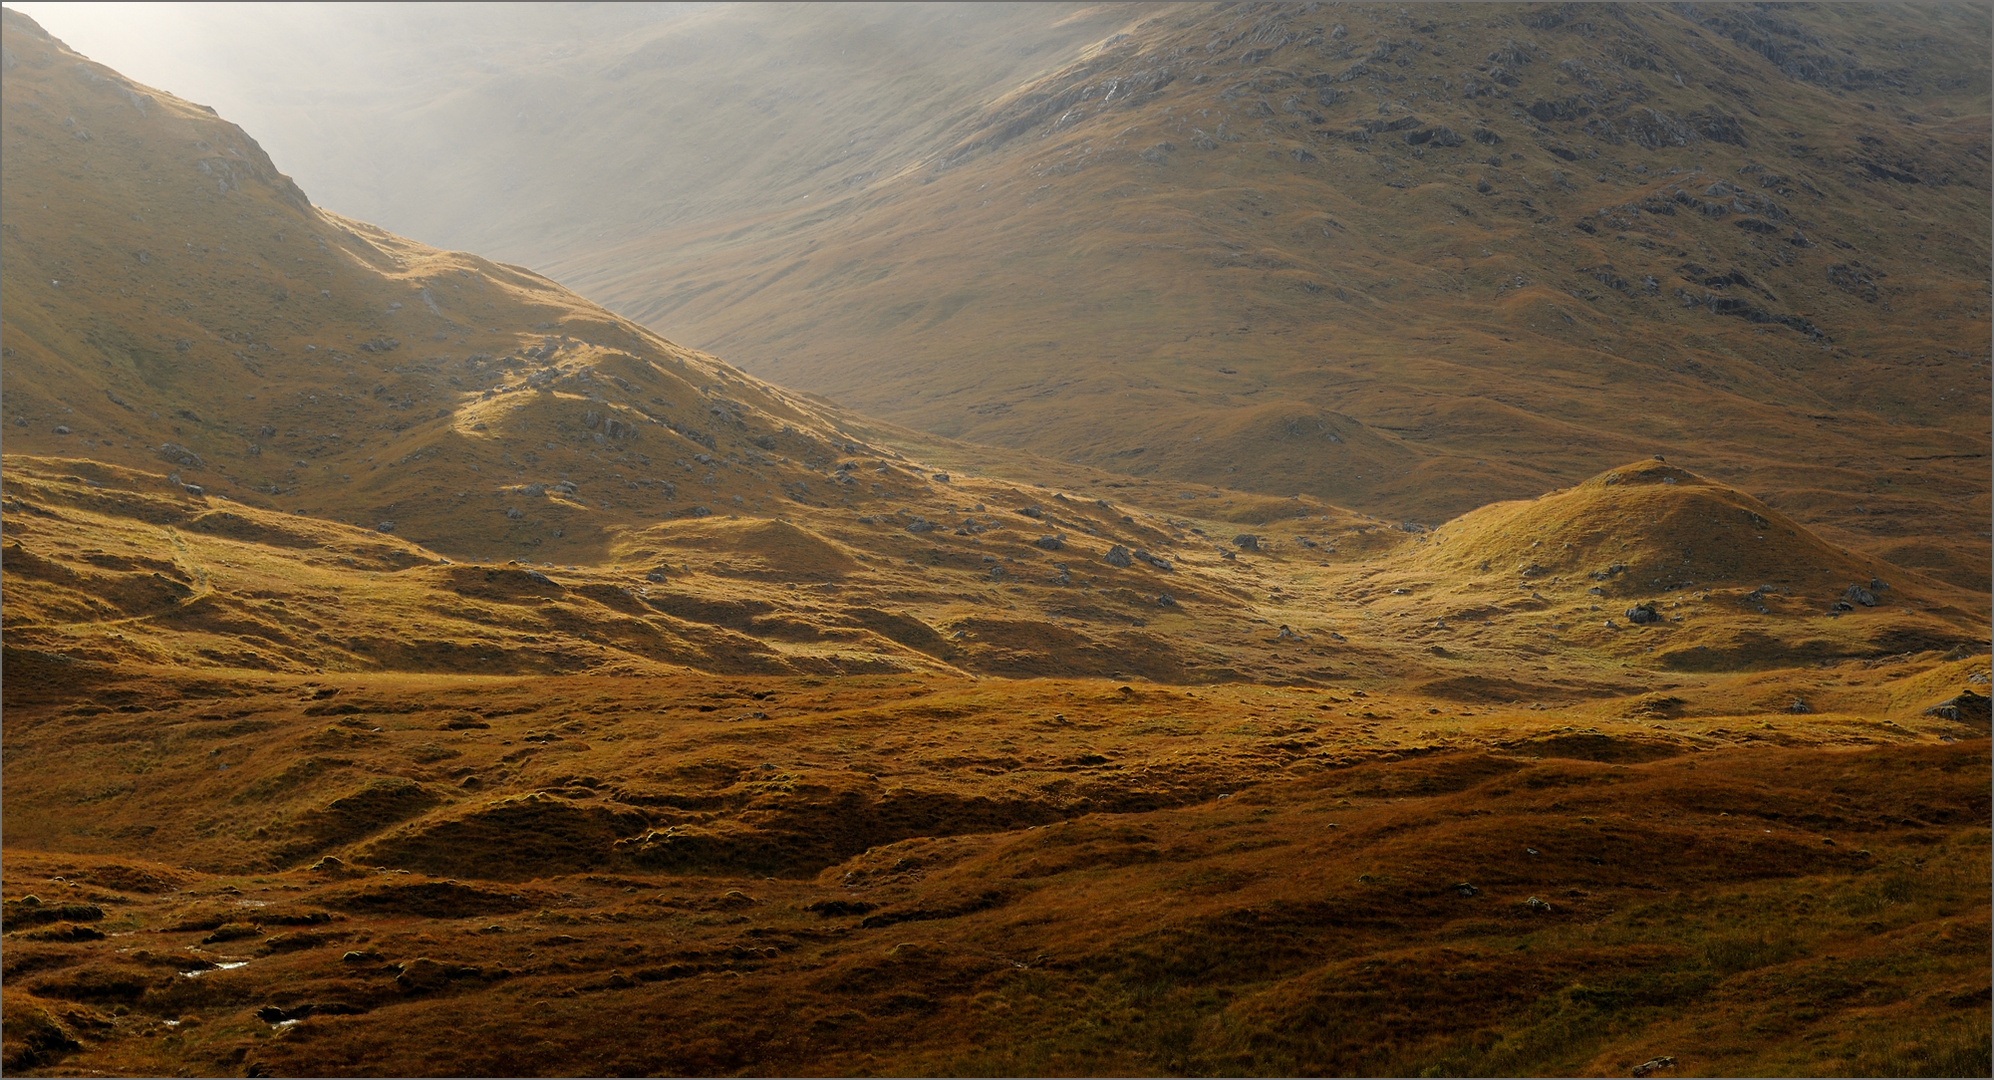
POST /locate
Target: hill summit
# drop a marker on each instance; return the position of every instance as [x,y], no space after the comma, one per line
[1643,529]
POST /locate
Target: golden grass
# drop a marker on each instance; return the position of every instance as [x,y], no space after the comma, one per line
[1311,920]
[1096,774]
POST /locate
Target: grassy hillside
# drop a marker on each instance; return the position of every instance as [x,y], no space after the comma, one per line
[1407,262]
[1402,261]
[412,667]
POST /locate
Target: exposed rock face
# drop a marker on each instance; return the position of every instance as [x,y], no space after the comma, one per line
[175,454]
[1968,707]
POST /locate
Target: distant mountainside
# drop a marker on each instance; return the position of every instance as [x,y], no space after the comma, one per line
[1408,260]
[524,130]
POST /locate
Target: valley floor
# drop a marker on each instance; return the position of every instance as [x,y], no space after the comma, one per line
[599,875]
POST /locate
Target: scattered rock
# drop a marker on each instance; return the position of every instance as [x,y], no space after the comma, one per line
[1118,556]
[920,525]
[1653,1065]
[1537,906]
[941,478]
[1466,889]
[1157,561]
[533,491]
[514,513]
[1798,707]
[62,429]
[175,454]
[195,490]
[1967,707]
[1247,542]
[1859,595]
[385,526]
[656,576]
[1641,614]
[1033,511]
[1165,600]
[1049,543]
[565,487]
[1877,585]
[540,578]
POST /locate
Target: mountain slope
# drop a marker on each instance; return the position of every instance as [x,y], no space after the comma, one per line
[1487,286]
[1405,261]
[176,303]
